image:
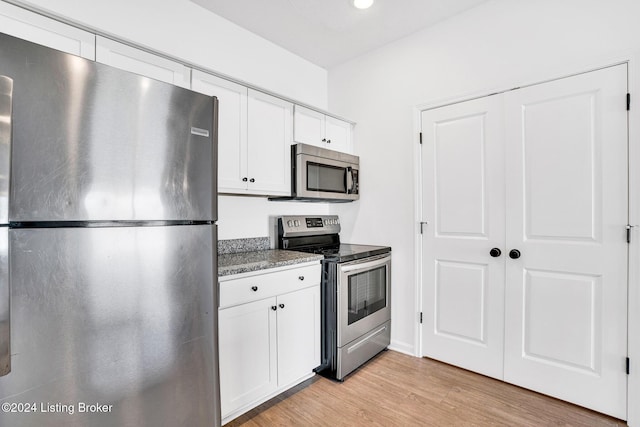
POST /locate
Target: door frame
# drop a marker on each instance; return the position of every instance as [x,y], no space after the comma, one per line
[632,59]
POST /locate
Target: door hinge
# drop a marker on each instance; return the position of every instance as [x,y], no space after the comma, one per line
[629,227]
[420,137]
[628,363]
[421,322]
[628,101]
[422,224]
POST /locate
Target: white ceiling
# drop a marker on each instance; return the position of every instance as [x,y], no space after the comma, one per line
[330,32]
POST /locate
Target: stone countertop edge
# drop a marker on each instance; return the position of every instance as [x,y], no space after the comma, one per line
[245,262]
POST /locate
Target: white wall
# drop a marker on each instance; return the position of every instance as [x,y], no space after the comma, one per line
[188,32]
[499,44]
[242,217]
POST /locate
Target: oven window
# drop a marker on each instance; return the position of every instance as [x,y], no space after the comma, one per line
[367,293]
[326,178]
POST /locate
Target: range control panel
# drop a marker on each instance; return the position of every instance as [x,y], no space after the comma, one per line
[308,225]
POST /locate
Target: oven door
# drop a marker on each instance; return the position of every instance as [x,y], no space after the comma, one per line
[322,178]
[364,296]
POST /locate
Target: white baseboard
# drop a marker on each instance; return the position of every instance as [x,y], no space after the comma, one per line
[402,347]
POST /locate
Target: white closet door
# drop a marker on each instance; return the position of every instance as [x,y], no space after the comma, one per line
[463,199]
[566,296]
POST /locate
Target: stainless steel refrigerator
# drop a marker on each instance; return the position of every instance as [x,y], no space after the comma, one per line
[108,301]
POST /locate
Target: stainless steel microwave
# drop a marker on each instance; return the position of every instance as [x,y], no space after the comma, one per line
[319,174]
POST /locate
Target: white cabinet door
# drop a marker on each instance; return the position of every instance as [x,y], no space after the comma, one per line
[269,144]
[314,128]
[298,334]
[463,185]
[309,127]
[140,62]
[247,353]
[338,134]
[566,296]
[45,31]
[232,129]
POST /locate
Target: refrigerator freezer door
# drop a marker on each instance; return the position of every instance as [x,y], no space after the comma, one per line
[95,143]
[119,317]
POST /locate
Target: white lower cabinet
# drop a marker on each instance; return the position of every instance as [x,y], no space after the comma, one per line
[298,333]
[269,334]
[248,359]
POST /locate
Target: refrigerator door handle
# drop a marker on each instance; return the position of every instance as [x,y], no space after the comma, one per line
[5,304]
[6,96]
[6,103]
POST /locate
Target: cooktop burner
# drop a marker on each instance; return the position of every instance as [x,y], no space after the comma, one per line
[346,252]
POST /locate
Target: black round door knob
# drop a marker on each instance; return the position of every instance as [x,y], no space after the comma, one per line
[495,252]
[514,254]
[281,305]
[254,288]
[274,307]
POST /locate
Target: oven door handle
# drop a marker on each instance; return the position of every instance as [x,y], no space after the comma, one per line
[364,340]
[365,264]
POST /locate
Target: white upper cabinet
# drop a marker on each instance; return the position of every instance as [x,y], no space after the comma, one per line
[232,128]
[269,144]
[338,134]
[308,126]
[45,31]
[137,61]
[255,131]
[315,128]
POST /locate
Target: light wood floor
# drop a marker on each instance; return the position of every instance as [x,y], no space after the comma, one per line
[394,389]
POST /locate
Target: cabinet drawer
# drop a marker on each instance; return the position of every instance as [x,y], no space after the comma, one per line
[265,284]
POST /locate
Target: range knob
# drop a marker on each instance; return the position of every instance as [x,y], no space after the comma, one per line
[296,223]
[289,223]
[326,221]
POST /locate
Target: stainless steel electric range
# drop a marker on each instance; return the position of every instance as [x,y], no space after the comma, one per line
[356,291]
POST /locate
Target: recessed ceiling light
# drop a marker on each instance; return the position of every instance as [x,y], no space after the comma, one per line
[362,4]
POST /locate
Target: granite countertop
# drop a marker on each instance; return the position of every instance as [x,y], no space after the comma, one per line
[244,262]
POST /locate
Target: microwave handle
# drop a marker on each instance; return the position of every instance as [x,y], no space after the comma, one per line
[350,182]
